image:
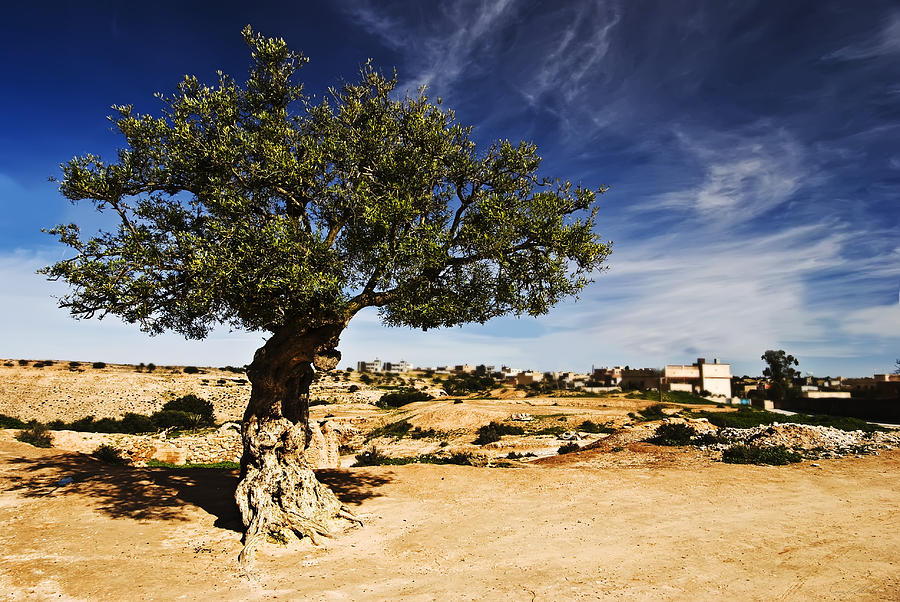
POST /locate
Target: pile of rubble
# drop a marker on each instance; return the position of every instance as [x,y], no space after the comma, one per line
[811,441]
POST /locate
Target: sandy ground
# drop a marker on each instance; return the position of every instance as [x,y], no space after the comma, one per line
[576,529]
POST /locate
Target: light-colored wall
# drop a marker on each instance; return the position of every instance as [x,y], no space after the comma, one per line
[682,372]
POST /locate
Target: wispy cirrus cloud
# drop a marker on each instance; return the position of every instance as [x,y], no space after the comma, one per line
[441,46]
[885,41]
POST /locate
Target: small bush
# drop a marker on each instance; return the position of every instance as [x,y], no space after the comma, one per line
[493,431]
[8,422]
[373,457]
[36,434]
[753,454]
[98,365]
[402,397]
[191,370]
[353,388]
[673,434]
[74,364]
[397,430]
[137,423]
[654,412]
[176,419]
[234,369]
[418,433]
[23,362]
[517,456]
[590,427]
[192,404]
[159,464]
[151,367]
[109,455]
[568,448]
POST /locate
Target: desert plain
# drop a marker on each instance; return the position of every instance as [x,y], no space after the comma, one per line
[623,519]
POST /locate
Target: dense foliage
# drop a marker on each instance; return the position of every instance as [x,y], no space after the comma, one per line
[261,207]
[402,397]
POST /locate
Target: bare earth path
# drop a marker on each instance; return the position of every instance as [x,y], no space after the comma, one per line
[462,533]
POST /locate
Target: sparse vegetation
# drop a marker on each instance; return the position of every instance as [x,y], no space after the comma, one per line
[674,434]
[749,417]
[589,426]
[226,465]
[35,434]
[397,430]
[109,455]
[493,431]
[402,397]
[8,422]
[653,412]
[568,448]
[752,454]
[373,457]
[518,456]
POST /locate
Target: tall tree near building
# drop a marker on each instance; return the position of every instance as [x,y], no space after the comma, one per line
[259,207]
[780,372]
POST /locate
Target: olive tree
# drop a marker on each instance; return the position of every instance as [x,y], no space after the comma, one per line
[260,207]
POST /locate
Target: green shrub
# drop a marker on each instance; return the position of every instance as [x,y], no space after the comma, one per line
[753,454]
[402,397]
[176,419]
[8,422]
[74,364]
[396,430]
[98,365]
[353,388]
[493,431]
[109,455]
[159,464]
[673,434]
[516,456]
[35,434]
[137,423]
[418,433]
[191,370]
[568,448]
[373,457]
[654,412]
[151,367]
[192,404]
[589,426]
[23,362]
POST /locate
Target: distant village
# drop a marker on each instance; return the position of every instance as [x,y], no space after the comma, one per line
[703,378]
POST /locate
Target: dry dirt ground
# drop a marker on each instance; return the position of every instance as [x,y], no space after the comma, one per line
[671,531]
[625,520]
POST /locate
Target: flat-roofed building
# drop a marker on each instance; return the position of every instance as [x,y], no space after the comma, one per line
[702,376]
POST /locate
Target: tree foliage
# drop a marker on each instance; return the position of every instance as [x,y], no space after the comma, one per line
[264,208]
[780,372]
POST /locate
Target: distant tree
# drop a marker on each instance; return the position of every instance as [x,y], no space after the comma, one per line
[780,372]
[262,208]
[897,369]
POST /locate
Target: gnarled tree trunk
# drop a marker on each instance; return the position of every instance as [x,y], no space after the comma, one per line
[278,494]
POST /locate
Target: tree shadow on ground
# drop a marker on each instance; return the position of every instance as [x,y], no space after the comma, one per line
[155,493]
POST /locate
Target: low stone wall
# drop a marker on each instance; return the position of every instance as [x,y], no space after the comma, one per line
[221,445]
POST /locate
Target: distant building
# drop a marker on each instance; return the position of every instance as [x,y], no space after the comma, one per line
[464,369]
[714,378]
[374,366]
[640,378]
[378,366]
[607,377]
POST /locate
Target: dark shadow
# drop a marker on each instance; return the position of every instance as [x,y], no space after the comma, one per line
[351,487]
[159,493]
[131,492]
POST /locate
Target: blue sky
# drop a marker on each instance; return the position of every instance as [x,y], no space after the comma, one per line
[750,148]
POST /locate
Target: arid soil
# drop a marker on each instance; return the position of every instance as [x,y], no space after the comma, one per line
[673,531]
[623,520]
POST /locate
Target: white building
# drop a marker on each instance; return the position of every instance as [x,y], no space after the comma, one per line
[702,376]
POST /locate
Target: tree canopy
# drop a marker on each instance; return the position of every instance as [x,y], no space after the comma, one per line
[261,207]
[780,371]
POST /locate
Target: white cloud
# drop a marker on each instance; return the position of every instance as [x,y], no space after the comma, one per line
[440,55]
[885,42]
[744,174]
